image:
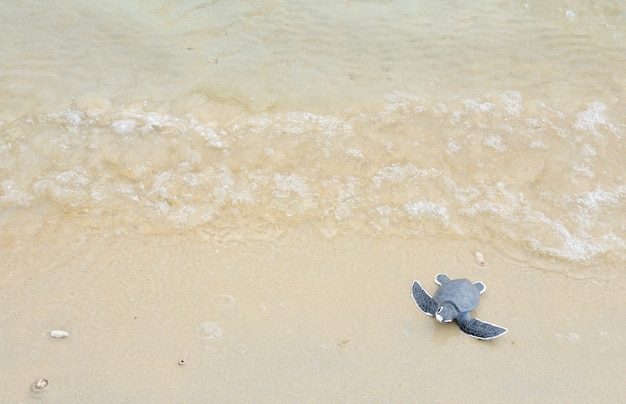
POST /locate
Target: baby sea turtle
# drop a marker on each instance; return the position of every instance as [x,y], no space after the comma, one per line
[454,300]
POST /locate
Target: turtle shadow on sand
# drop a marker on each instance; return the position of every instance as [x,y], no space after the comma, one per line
[454,300]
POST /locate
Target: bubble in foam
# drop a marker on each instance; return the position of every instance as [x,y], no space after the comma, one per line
[588,150]
[402,102]
[42,186]
[354,153]
[599,197]
[496,142]
[452,147]
[477,106]
[191,179]
[72,117]
[211,136]
[396,173]
[124,126]
[513,102]
[285,184]
[594,116]
[573,247]
[11,194]
[538,144]
[582,171]
[76,176]
[427,209]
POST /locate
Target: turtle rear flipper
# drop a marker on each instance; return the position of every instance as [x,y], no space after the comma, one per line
[440,279]
[480,329]
[480,286]
[423,300]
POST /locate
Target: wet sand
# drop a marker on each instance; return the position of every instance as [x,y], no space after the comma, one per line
[294,318]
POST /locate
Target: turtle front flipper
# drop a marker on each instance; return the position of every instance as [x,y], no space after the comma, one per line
[423,300]
[480,329]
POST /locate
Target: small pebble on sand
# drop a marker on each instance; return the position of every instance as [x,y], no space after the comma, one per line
[39,385]
[480,259]
[59,334]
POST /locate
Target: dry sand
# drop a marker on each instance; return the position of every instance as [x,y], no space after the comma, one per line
[295,318]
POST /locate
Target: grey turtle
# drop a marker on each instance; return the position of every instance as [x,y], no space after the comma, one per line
[454,300]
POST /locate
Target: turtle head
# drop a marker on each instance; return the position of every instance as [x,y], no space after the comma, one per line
[445,313]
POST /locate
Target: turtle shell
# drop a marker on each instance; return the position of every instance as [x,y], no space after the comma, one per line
[460,292]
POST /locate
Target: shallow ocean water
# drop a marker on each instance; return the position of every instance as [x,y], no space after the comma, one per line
[141,140]
[488,120]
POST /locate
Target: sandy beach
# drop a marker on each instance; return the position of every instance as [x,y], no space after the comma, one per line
[294,318]
[228,202]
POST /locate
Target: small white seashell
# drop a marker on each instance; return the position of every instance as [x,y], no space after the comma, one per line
[480,259]
[59,334]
